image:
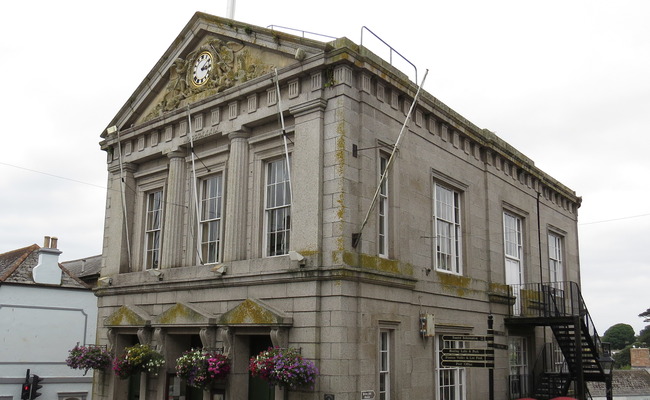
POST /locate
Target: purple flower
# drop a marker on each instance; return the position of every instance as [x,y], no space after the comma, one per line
[284,367]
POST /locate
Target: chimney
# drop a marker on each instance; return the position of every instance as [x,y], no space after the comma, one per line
[639,358]
[47,270]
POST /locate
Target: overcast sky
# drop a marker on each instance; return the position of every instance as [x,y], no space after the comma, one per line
[565,82]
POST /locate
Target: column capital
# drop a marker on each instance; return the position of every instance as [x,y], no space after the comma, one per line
[242,133]
[177,153]
[127,167]
[308,107]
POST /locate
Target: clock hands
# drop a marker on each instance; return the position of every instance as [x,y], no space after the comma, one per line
[202,68]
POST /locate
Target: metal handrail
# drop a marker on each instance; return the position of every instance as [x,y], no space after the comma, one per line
[557,299]
[391,50]
[271,27]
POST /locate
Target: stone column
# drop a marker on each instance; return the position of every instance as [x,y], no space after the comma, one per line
[118,227]
[234,239]
[171,250]
[307,177]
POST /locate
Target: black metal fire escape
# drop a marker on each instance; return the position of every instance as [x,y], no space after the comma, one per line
[560,306]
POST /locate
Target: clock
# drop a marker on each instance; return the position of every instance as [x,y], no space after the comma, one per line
[201,68]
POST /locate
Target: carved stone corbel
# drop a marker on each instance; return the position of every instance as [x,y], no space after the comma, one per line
[208,337]
[111,335]
[144,335]
[227,336]
[280,337]
[159,337]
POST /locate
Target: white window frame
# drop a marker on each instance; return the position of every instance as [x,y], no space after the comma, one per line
[513,236]
[383,209]
[153,228]
[385,349]
[451,382]
[277,205]
[513,244]
[513,251]
[518,365]
[447,229]
[211,215]
[555,262]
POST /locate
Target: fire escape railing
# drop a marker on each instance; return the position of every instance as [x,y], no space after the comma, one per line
[560,305]
[557,299]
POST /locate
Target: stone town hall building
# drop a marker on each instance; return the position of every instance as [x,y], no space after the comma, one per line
[224,230]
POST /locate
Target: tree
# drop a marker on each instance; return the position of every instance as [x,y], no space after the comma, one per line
[644,337]
[619,336]
[622,358]
[646,315]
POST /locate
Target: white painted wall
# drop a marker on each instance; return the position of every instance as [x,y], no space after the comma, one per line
[38,325]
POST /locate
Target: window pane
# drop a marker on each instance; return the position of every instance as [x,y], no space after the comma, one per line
[383,209]
[153,225]
[556,271]
[447,229]
[512,235]
[211,218]
[278,208]
[384,364]
[451,382]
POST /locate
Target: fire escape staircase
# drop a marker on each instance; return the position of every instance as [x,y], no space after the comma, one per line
[560,306]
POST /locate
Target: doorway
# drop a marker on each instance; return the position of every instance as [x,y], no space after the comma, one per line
[259,389]
[177,388]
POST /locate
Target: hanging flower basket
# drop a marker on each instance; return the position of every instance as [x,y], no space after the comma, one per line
[88,357]
[284,367]
[136,359]
[201,368]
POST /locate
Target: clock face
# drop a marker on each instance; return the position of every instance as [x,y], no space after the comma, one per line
[201,69]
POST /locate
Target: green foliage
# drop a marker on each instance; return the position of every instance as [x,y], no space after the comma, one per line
[644,337]
[619,336]
[88,357]
[622,358]
[136,359]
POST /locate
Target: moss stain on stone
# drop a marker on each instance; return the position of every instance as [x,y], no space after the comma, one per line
[124,316]
[350,258]
[386,265]
[308,253]
[249,312]
[340,169]
[376,263]
[179,313]
[336,257]
[457,283]
[499,288]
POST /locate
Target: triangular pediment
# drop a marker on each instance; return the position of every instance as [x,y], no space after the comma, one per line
[128,316]
[182,314]
[254,313]
[210,56]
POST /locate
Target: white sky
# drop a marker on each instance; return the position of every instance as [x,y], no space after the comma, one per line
[565,82]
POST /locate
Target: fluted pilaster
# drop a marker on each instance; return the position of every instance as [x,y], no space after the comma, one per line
[171,251]
[236,198]
[119,224]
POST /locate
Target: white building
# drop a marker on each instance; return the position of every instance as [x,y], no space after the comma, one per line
[44,312]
